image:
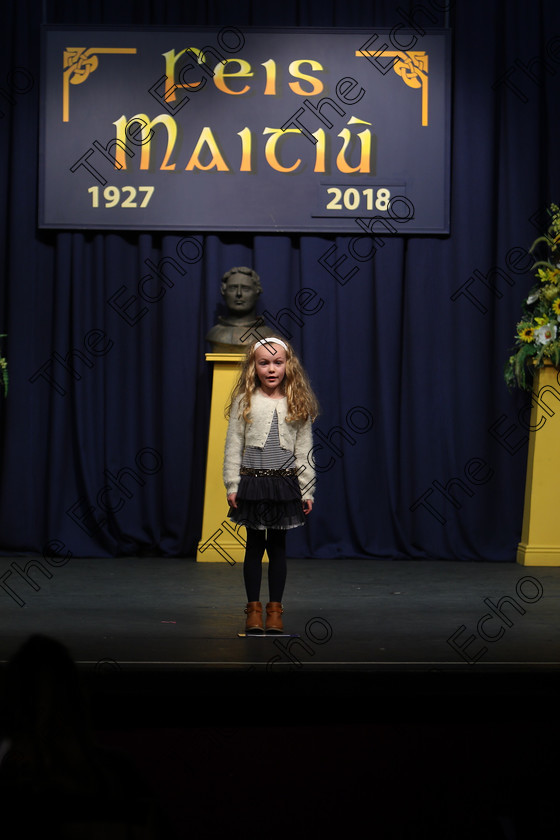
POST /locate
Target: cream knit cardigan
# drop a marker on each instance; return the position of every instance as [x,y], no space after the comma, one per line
[295,436]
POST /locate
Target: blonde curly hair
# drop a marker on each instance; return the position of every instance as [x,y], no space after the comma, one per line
[302,402]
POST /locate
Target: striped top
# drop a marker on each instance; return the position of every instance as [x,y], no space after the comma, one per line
[272,456]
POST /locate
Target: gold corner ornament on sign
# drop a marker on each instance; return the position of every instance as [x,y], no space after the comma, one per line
[79,62]
[411,66]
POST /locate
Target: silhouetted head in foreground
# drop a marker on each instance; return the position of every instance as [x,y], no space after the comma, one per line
[51,770]
[44,714]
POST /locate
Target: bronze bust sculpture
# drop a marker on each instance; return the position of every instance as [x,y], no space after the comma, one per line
[240,288]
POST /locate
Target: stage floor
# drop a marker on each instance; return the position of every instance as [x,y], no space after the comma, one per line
[350,615]
[167,629]
[372,685]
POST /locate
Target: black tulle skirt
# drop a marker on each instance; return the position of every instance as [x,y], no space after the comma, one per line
[268,502]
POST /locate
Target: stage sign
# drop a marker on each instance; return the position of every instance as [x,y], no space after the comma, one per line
[200,129]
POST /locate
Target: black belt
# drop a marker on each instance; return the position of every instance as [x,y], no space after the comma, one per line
[249,471]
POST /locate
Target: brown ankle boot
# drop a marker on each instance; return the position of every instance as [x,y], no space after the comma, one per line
[274,617]
[254,623]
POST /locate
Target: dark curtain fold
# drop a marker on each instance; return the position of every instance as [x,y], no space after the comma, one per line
[105,426]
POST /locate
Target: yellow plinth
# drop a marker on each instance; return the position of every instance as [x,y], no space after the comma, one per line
[221,541]
[540,536]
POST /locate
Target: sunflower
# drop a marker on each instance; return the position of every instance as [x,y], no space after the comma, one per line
[556,306]
[550,274]
[527,334]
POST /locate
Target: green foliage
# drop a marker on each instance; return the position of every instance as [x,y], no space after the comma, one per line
[537,340]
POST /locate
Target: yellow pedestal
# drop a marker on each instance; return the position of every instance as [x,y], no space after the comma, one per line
[221,540]
[540,536]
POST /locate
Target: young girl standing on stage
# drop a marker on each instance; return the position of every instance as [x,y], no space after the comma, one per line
[268,475]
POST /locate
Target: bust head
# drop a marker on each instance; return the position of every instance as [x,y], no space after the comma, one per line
[241,289]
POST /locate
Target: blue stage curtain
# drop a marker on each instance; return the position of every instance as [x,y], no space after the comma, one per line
[423,449]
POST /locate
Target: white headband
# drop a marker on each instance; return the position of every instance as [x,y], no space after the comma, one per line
[266,341]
